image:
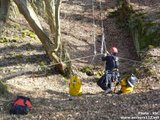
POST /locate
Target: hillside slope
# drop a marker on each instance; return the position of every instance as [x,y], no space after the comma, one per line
[23,66]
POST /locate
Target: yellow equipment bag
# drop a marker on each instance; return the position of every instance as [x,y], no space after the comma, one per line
[75,86]
[124,87]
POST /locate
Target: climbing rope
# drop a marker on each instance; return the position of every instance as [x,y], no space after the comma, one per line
[29,69]
[94,40]
[103,43]
[93,32]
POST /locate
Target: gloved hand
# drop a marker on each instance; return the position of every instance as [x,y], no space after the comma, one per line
[107,53]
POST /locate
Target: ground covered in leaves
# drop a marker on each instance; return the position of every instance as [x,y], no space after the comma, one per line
[23,66]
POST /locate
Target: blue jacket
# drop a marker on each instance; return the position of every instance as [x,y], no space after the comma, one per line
[112,62]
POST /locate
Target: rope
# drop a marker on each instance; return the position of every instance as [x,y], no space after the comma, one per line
[103,43]
[46,66]
[93,13]
[127,59]
[93,32]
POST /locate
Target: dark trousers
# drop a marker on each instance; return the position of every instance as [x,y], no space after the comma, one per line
[111,76]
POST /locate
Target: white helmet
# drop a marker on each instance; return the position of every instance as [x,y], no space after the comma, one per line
[132,80]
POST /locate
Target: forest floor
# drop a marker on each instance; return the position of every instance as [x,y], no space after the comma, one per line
[23,66]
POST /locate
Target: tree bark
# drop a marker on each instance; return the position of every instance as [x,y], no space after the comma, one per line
[53,12]
[57,20]
[50,9]
[4,8]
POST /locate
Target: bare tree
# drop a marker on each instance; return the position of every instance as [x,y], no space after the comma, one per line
[54,46]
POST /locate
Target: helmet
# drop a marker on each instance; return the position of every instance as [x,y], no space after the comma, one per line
[114,50]
[132,80]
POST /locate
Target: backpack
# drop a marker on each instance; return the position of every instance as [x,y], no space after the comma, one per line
[21,105]
[115,62]
[102,82]
[75,86]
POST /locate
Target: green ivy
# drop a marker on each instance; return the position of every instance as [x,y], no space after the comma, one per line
[88,70]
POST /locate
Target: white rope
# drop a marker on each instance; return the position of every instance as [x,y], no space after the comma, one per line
[93,32]
[94,40]
[122,58]
[103,43]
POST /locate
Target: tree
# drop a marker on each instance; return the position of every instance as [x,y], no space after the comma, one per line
[124,10]
[126,3]
[4,6]
[53,47]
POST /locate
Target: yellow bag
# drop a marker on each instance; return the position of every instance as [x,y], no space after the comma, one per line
[75,86]
[124,87]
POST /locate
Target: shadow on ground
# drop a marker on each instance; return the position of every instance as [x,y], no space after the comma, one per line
[98,106]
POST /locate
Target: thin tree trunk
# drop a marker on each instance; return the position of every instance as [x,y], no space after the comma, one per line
[50,9]
[57,20]
[53,12]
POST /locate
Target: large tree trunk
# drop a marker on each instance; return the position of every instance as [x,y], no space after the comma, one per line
[4,7]
[53,12]
[125,9]
[26,9]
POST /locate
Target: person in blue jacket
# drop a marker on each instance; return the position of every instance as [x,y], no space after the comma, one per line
[111,68]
